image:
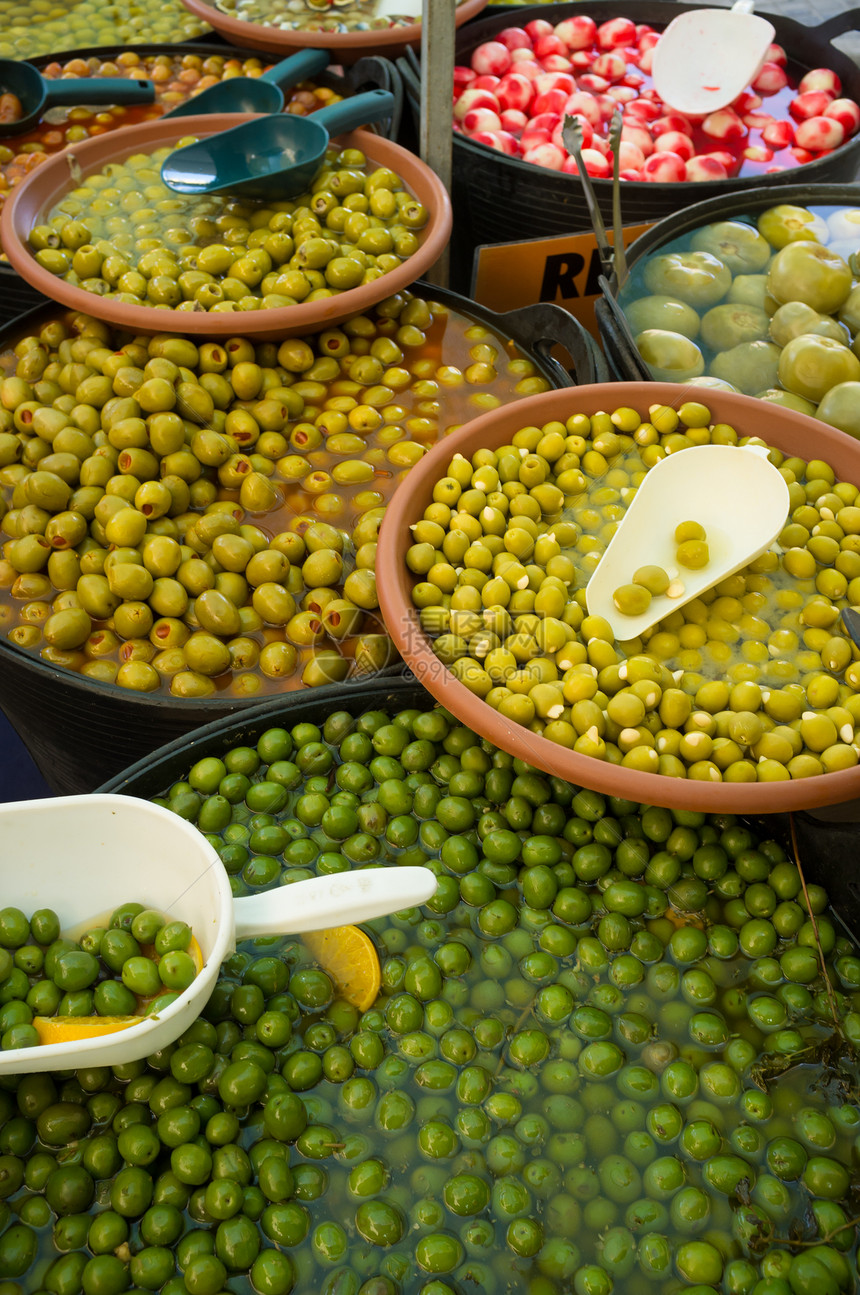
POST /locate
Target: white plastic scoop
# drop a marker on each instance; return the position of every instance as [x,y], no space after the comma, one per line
[84,855]
[706,57]
[735,492]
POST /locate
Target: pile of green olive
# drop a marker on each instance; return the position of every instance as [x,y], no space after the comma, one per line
[109,970]
[598,1063]
[122,233]
[753,680]
[691,551]
[201,518]
[29,28]
[769,306]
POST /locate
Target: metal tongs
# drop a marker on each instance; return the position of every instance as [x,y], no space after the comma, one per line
[613,258]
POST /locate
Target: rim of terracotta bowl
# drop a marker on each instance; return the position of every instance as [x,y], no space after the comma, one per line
[350,45]
[30,202]
[784,429]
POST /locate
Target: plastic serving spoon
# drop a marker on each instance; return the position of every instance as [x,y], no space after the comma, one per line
[706,57]
[263,93]
[84,855]
[269,157]
[36,94]
[735,492]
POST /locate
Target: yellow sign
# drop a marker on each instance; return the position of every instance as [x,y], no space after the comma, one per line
[564,270]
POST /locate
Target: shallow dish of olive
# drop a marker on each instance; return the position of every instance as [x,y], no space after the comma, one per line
[30,30]
[38,195]
[346,46]
[561,728]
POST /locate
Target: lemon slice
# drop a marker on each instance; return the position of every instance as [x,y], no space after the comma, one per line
[71,1029]
[349,956]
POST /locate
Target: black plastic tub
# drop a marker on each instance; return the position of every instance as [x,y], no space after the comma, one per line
[372,73]
[827,849]
[623,358]
[149,777]
[80,731]
[501,199]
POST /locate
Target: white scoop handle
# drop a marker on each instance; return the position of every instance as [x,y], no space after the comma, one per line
[343,898]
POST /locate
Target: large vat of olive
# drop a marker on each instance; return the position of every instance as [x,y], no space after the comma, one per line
[603,1057]
[79,725]
[764,302]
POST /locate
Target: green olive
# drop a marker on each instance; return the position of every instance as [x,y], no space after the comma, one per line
[726,325]
[839,407]
[811,364]
[631,599]
[670,357]
[697,278]
[811,273]
[749,366]
[739,246]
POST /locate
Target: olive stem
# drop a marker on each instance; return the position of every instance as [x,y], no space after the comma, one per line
[830,999]
[521,1019]
[826,1239]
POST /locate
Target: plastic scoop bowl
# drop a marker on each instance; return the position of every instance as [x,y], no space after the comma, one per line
[36,94]
[264,93]
[84,855]
[273,157]
[735,492]
[706,57]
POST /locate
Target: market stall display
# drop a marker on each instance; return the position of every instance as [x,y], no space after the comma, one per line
[486,604]
[517,106]
[605,1047]
[177,78]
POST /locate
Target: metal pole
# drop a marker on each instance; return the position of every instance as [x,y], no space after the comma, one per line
[437,80]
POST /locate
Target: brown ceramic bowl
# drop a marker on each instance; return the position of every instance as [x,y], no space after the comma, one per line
[31,201]
[782,428]
[346,46]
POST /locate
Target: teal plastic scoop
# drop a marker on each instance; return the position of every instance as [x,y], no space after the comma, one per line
[36,94]
[273,157]
[264,93]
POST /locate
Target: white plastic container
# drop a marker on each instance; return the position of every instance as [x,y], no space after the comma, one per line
[83,856]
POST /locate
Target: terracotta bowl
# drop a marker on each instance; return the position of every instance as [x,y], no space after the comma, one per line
[346,46]
[31,201]
[782,428]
